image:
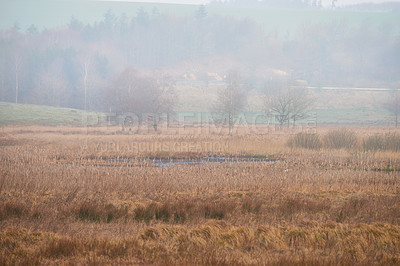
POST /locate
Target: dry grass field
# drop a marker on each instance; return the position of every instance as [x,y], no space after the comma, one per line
[85,196]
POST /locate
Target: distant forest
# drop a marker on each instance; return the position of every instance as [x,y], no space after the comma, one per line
[53,66]
[274,3]
[314,4]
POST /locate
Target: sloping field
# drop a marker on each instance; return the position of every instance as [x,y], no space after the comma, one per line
[30,114]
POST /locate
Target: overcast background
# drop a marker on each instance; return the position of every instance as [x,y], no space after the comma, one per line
[324,2]
[90,54]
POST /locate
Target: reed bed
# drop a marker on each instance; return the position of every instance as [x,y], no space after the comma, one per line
[59,205]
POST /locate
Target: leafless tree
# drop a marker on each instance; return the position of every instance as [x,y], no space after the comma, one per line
[287,104]
[231,99]
[139,93]
[88,75]
[17,67]
[85,74]
[163,96]
[300,104]
[119,95]
[279,106]
[51,86]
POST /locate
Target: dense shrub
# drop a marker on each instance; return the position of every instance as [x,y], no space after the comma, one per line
[11,208]
[373,143]
[305,140]
[340,139]
[97,212]
[390,142]
[180,212]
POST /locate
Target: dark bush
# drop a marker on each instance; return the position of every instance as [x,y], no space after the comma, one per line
[145,213]
[251,205]
[96,212]
[11,208]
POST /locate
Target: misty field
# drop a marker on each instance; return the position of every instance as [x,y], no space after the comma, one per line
[89,196]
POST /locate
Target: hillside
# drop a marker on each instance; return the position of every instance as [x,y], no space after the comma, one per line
[30,114]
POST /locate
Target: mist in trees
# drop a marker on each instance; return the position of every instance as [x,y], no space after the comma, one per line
[99,66]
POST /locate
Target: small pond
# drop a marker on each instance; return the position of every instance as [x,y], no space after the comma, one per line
[167,162]
[163,162]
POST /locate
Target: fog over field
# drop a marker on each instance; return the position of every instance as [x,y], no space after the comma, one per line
[237,132]
[104,56]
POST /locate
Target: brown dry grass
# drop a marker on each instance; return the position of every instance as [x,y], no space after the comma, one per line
[61,204]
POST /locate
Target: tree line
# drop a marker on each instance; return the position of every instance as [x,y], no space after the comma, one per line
[274,3]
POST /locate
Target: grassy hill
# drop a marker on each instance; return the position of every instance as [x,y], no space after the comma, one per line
[29,114]
[50,14]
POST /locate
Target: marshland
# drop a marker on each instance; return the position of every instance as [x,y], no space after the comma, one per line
[311,205]
[223,133]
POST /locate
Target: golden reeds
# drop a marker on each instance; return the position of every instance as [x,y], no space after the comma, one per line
[85,198]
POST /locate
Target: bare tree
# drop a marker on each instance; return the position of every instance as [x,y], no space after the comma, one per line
[230,99]
[393,105]
[85,68]
[279,105]
[17,68]
[86,61]
[288,104]
[51,85]
[139,93]
[163,96]
[300,105]
[277,99]
[17,56]
[119,94]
